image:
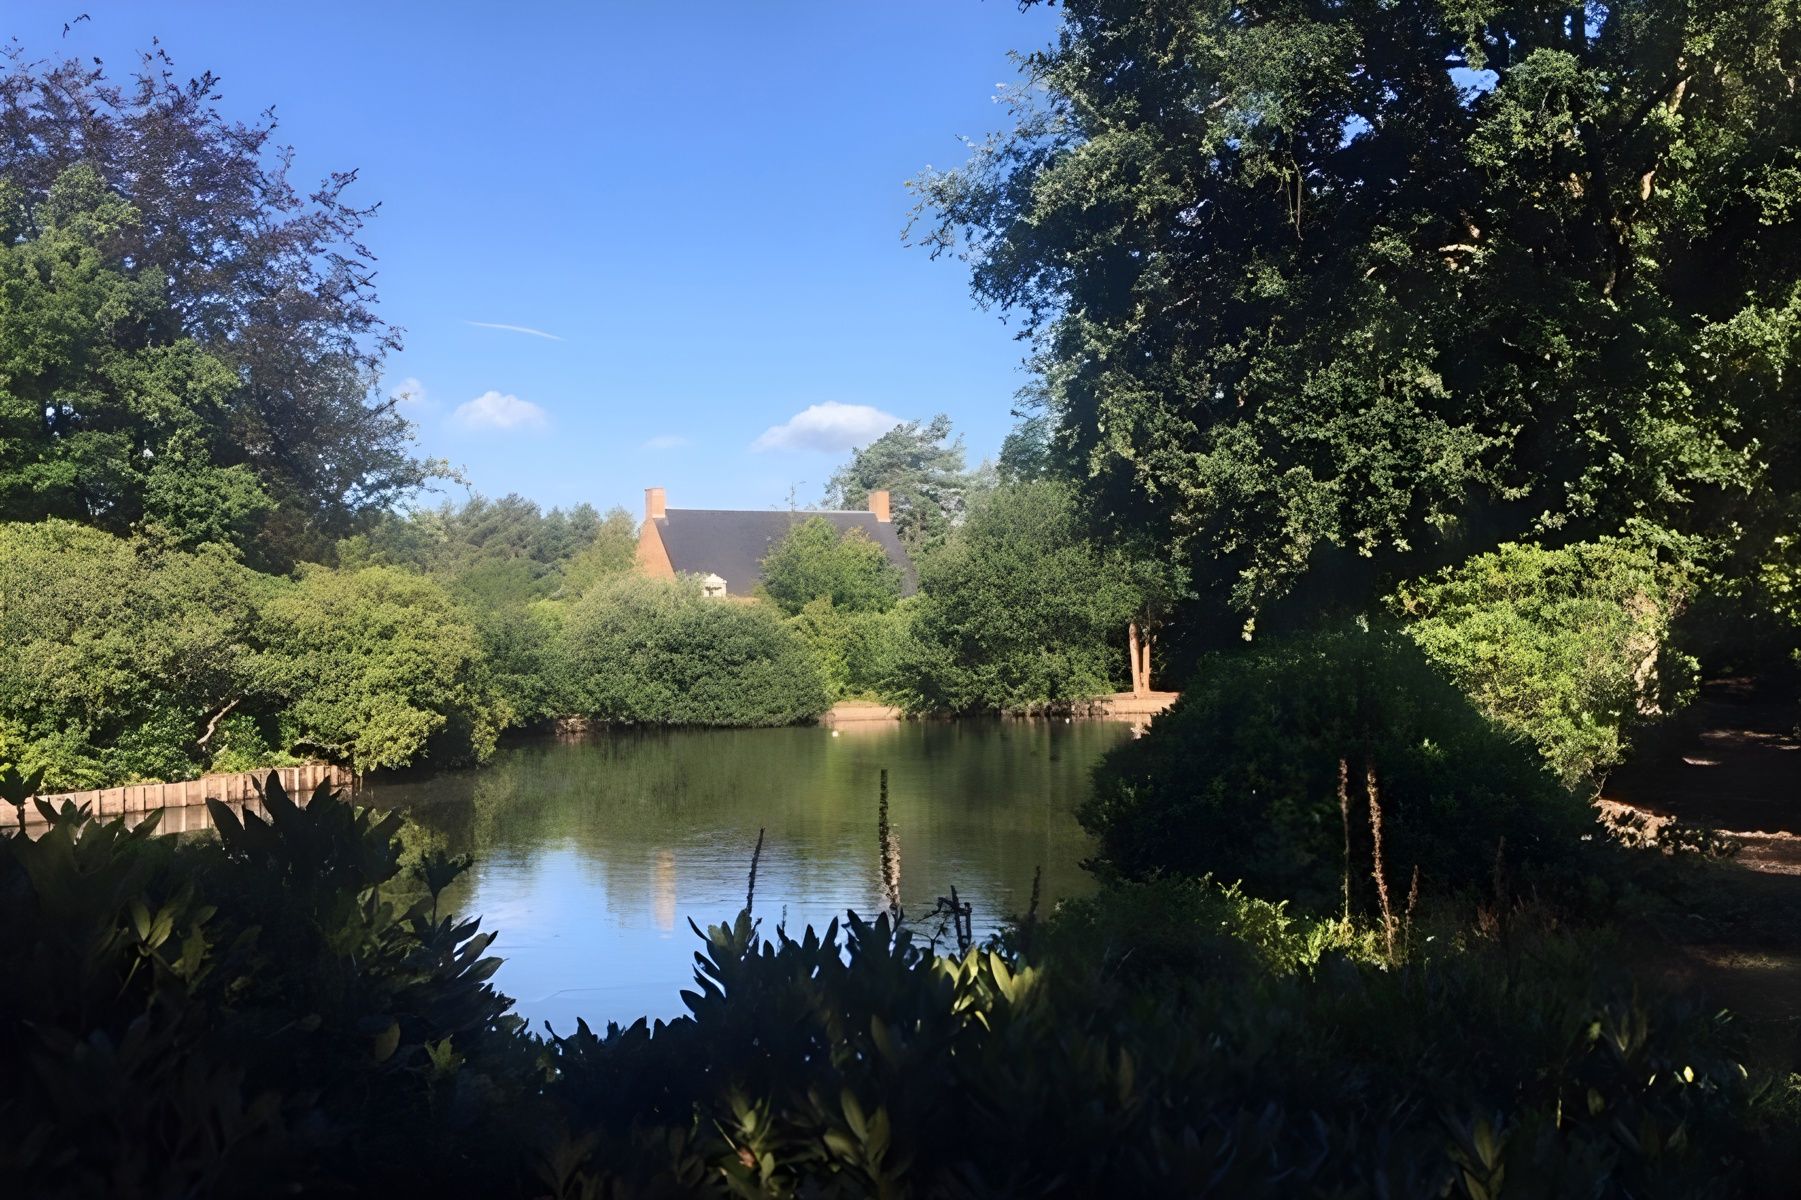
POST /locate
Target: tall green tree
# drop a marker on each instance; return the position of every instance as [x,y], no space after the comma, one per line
[270,279]
[1018,610]
[1333,292]
[107,415]
[922,467]
[815,560]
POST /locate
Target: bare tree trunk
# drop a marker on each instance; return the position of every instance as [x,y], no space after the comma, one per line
[1137,662]
[1144,673]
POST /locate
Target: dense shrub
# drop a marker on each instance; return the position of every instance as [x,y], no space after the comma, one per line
[659,652]
[120,653]
[285,1010]
[1570,647]
[275,1013]
[521,646]
[1241,778]
[814,560]
[855,650]
[378,667]
[1018,611]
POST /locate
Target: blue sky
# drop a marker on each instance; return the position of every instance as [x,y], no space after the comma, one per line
[700,203]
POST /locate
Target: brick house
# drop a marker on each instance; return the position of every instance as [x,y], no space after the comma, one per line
[726,547]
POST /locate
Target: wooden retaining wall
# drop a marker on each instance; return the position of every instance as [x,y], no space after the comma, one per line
[240,788]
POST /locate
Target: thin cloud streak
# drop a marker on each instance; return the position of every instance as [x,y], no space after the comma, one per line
[514,329]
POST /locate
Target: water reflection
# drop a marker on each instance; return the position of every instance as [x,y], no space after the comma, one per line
[592,857]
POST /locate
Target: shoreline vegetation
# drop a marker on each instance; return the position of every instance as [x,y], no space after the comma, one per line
[1409,387]
[288,1004]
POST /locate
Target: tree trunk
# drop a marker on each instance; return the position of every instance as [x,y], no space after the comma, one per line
[1144,672]
[1137,662]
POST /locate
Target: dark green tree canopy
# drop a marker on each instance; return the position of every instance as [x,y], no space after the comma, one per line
[815,560]
[1319,282]
[105,418]
[922,467]
[1018,610]
[271,282]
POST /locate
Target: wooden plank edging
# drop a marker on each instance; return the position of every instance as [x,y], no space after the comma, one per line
[236,788]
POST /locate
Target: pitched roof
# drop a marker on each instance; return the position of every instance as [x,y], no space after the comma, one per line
[731,544]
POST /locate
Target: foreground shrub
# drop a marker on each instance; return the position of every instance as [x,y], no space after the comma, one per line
[1569,647]
[279,1012]
[659,652]
[284,1011]
[1278,761]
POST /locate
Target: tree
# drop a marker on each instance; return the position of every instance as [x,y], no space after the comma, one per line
[1018,611]
[122,658]
[102,419]
[815,560]
[377,667]
[1326,295]
[270,280]
[922,468]
[658,652]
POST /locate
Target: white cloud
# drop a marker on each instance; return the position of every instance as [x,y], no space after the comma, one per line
[409,393]
[492,410]
[666,441]
[514,329]
[829,427]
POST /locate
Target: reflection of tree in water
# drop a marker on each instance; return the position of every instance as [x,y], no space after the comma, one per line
[976,804]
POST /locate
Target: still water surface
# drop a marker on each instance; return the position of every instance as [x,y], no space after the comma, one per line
[592,856]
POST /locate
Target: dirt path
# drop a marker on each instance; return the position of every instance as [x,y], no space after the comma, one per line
[1738,772]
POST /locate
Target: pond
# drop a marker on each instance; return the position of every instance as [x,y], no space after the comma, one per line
[592,856]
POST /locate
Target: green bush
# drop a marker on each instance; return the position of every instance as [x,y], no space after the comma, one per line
[855,650]
[647,651]
[814,560]
[277,1012]
[1569,647]
[1018,611]
[379,667]
[119,653]
[1240,779]
[286,1010]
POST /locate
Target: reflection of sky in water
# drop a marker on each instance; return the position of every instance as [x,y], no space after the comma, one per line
[592,857]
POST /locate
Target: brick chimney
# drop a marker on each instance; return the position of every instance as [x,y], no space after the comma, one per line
[653,504]
[878,504]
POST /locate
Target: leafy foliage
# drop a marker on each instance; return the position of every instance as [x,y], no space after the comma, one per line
[1018,611]
[1241,779]
[1569,647]
[263,1014]
[378,667]
[856,651]
[815,561]
[119,653]
[650,651]
[238,307]
[1331,295]
[497,553]
[285,1009]
[104,417]
[923,469]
